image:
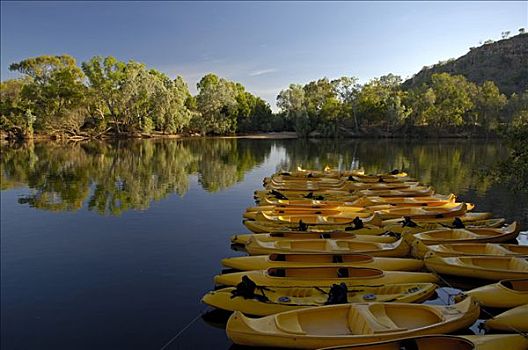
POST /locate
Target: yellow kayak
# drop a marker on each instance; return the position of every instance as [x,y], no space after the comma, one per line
[273,300]
[262,227]
[379,178]
[382,186]
[399,248]
[431,201]
[503,294]
[446,342]
[468,235]
[514,320]
[419,249]
[490,268]
[315,209]
[348,324]
[417,191]
[319,194]
[346,195]
[350,212]
[370,227]
[384,211]
[327,173]
[446,211]
[467,218]
[263,262]
[302,235]
[340,186]
[324,277]
[312,219]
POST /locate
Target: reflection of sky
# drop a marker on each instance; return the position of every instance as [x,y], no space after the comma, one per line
[265,46]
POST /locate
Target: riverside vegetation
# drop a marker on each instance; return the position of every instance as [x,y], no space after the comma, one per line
[106,97]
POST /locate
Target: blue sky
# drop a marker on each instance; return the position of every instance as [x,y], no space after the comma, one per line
[264,45]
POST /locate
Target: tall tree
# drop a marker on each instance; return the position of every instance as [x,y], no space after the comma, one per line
[292,102]
[488,103]
[16,117]
[217,104]
[55,92]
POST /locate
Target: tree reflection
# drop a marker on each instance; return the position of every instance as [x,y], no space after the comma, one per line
[113,177]
[448,165]
[119,176]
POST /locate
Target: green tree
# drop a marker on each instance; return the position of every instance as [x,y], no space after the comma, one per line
[322,106]
[16,118]
[55,93]
[292,103]
[488,103]
[453,99]
[105,77]
[346,90]
[380,102]
[217,104]
[129,97]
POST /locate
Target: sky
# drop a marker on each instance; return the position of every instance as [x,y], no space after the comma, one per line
[264,45]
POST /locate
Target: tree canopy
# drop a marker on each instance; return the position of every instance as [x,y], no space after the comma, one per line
[105,96]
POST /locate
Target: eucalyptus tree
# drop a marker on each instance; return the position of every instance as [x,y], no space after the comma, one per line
[105,77]
[217,104]
[292,102]
[488,104]
[133,98]
[453,99]
[53,92]
[380,102]
[16,117]
[347,90]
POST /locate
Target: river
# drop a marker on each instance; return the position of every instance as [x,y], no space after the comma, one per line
[110,245]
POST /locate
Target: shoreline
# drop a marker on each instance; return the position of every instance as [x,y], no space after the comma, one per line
[281,135]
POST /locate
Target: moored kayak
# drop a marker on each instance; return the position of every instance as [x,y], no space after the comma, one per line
[503,294]
[272,300]
[399,248]
[316,219]
[396,227]
[347,324]
[446,342]
[490,268]
[468,235]
[263,262]
[419,249]
[446,211]
[514,320]
[369,227]
[303,235]
[434,200]
[324,277]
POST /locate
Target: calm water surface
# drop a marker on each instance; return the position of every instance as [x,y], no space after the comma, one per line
[112,245]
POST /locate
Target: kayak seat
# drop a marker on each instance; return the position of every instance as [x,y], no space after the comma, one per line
[380,322]
[357,323]
[288,323]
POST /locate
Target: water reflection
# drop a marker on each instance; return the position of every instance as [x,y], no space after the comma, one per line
[119,176]
[113,177]
[448,164]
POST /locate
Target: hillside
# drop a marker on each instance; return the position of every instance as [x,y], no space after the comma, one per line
[504,62]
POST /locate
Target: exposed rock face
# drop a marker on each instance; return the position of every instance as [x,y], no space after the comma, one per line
[504,62]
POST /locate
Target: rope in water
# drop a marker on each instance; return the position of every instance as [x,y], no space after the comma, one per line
[183,329]
[449,295]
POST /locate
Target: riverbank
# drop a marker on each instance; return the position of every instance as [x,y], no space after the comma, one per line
[373,133]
